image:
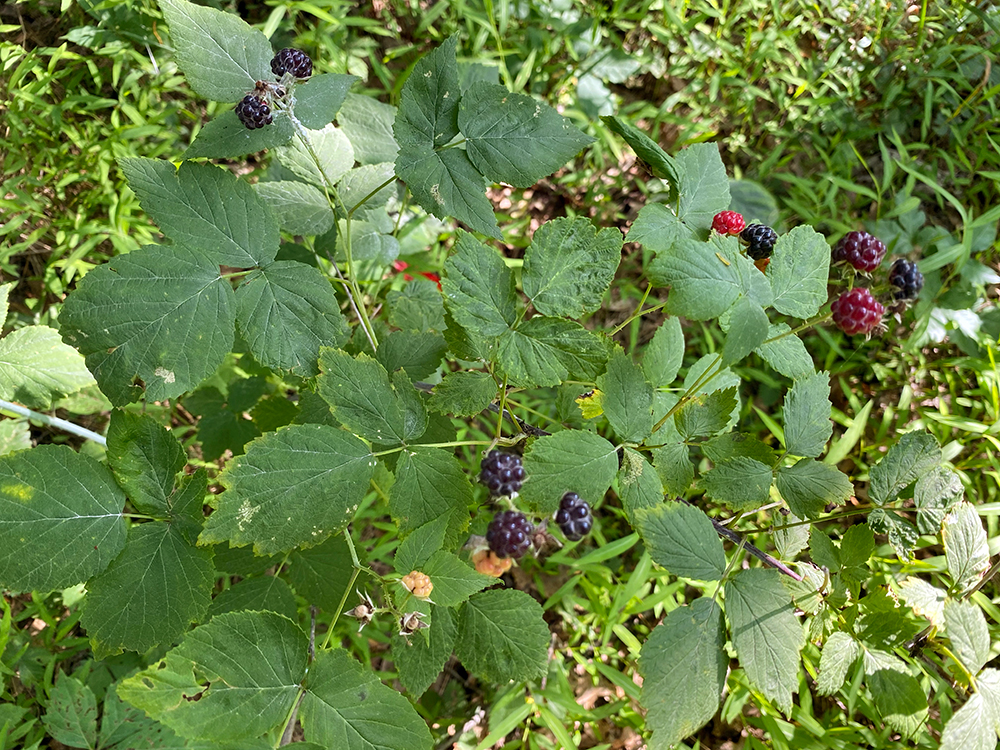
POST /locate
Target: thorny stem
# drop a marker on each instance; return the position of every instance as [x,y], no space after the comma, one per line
[59,424]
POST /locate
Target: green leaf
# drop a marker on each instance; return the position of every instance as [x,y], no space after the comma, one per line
[741,483]
[479,288]
[809,486]
[415,419]
[935,493]
[360,183]
[704,188]
[367,122]
[241,561]
[36,367]
[285,312]
[706,415]
[221,56]
[418,307]
[347,706]
[235,677]
[673,465]
[856,548]
[902,535]
[514,138]
[420,660]
[430,482]
[205,208]
[161,315]
[14,436]
[664,354]
[840,652]
[924,599]
[299,208]
[681,538]
[788,354]
[639,485]
[899,699]
[264,593]
[748,328]
[733,444]
[660,163]
[5,301]
[318,100]
[124,727]
[332,150]
[790,539]
[295,486]
[705,278]
[546,351]
[454,581]
[463,394]
[628,398]
[361,396]
[71,716]
[502,636]
[799,272]
[569,461]
[657,228]
[321,573]
[976,724]
[807,415]
[965,547]
[754,201]
[418,547]
[428,102]
[60,519]
[151,593]
[766,634]
[144,457]
[965,626]
[683,665]
[914,455]
[226,137]
[569,266]
[417,354]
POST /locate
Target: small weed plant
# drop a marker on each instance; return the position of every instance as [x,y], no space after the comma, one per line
[269,310]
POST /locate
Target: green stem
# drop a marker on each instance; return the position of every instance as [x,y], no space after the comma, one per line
[792,331]
[639,313]
[59,424]
[503,407]
[453,444]
[350,587]
[702,380]
[370,195]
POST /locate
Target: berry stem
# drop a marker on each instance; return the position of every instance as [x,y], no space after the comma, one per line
[702,380]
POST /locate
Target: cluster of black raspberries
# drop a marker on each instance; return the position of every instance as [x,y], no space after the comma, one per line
[510,532]
[254,110]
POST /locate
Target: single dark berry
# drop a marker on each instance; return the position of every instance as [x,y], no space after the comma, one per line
[760,241]
[293,61]
[253,112]
[857,311]
[905,279]
[728,222]
[509,534]
[502,473]
[574,517]
[859,249]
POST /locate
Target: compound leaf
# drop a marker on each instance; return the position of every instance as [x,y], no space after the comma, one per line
[502,636]
[569,461]
[479,288]
[545,351]
[681,538]
[144,457]
[807,415]
[809,486]
[430,482]
[361,396]
[799,272]
[915,454]
[704,187]
[965,547]
[741,483]
[628,398]
[37,367]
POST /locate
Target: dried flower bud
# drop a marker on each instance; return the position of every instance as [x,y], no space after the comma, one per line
[487,563]
[363,612]
[418,584]
[410,623]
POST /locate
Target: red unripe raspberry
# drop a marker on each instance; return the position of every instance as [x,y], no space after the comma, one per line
[728,222]
[857,311]
[861,250]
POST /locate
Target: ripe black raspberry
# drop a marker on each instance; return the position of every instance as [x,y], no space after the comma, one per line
[253,112]
[728,222]
[857,311]
[859,249]
[905,279]
[293,61]
[509,534]
[574,517]
[502,473]
[760,240]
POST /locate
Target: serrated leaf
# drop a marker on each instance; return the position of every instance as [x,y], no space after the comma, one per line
[975,725]
[151,593]
[924,599]
[463,394]
[899,699]
[60,519]
[901,533]
[299,208]
[429,100]
[682,539]
[359,183]
[454,581]
[71,716]
[321,573]
[856,547]
[627,398]
[417,354]
[799,272]
[5,301]
[807,415]
[361,396]
[514,138]
[660,163]
[664,354]
[14,436]
[285,312]
[569,461]
[914,455]
[415,418]
[222,57]
[569,266]
[965,626]
[418,547]
[162,315]
[766,634]
[639,485]
[674,467]
[318,100]
[36,367]
[809,486]
[787,354]
[264,593]
[684,665]
[965,547]
[479,288]
[234,677]
[430,482]
[205,208]
[547,351]
[706,415]
[418,307]
[705,278]
[790,539]
[226,137]
[294,486]
[144,457]
[333,152]
[704,188]
[124,728]
[421,660]
[748,327]
[840,652]
[741,483]
[935,493]
[502,636]
[733,444]
[657,228]
[367,122]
